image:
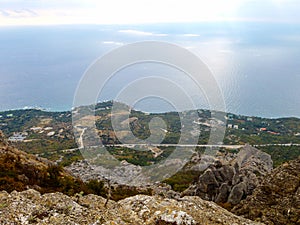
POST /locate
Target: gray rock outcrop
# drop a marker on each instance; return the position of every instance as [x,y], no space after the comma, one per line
[230,182]
[30,207]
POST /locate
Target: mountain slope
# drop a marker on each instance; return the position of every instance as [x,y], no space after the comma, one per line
[277,200]
[20,171]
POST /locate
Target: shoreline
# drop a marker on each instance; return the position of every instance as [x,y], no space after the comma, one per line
[67,109]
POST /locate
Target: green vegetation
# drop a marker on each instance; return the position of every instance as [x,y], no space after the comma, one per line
[18,176]
[16,173]
[182,179]
[50,134]
[281,154]
[123,191]
[142,157]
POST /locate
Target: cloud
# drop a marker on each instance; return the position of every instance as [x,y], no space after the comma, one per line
[18,13]
[141,33]
[191,35]
[226,51]
[112,43]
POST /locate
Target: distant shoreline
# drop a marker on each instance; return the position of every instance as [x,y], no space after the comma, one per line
[53,110]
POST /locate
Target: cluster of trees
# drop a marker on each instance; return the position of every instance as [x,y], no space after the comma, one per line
[281,154]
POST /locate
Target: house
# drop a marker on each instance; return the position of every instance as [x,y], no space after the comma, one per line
[17,137]
[35,129]
[235,126]
[230,126]
[274,133]
[50,133]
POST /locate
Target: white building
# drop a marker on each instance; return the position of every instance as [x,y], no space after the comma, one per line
[17,137]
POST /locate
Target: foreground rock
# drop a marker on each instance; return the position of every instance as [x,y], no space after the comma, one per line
[277,200]
[228,182]
[30,207]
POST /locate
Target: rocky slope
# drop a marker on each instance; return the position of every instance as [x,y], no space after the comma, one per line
[30,207]
[277,200]
[228,182]
[21,171]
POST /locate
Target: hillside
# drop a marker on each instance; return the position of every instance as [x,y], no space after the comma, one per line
[20,171]
[51,135]
[20,204]
[274,201]
[277,200]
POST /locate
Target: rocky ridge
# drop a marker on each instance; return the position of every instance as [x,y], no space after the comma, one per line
[277,200]
[30,207]
[231,181]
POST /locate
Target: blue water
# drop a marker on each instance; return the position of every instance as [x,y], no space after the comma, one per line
[256,65]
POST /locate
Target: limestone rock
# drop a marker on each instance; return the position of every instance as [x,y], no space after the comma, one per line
[237,193]
[230,182]
[30,207]
[224,193]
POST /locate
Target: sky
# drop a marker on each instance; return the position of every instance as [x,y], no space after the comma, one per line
[51,12]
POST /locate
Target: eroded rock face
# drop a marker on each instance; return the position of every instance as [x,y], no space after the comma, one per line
[230,182]
[30,207]
[277,200]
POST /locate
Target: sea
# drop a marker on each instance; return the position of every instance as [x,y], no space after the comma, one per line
[255,66]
